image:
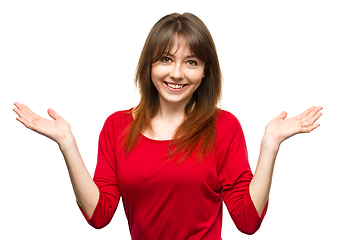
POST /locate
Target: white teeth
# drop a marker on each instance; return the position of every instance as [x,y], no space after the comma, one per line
[175,86]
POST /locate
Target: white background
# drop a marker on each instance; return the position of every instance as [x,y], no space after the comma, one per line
[79,58]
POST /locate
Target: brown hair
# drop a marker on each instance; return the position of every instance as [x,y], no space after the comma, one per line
[198,128]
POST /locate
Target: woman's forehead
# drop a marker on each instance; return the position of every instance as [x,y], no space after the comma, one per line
[174,43]
[180,43]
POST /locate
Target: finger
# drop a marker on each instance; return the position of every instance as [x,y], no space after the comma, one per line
[315,118]
[26,123]
[17,104]
[28,111]
[312,116]
[33,114]
[305,113]
[310,122]
[53,114]
[282,115]
[22,114]
[314,111]
[310,128]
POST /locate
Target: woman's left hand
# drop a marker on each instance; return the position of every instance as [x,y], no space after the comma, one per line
[280,128]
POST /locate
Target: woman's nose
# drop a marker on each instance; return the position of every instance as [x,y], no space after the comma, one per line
[176,72]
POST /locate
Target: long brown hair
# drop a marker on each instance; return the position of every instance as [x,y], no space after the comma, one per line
[198,131]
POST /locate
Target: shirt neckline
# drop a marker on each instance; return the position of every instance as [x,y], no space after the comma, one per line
[147,138]
[155,140]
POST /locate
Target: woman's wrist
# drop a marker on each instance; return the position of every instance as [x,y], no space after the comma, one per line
[270,143]
[67,142]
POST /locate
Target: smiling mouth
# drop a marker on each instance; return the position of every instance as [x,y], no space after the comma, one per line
[175,86]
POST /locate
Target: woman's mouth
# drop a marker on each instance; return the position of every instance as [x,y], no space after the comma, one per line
[174,86]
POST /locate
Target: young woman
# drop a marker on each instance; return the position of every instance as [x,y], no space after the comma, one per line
[175,157]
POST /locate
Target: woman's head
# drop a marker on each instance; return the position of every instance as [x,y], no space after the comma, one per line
[177,75]
[198,128]
[161,40]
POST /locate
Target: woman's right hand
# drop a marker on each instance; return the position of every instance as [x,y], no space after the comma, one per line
[57,129]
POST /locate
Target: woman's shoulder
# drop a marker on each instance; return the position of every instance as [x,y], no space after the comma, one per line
[224,117]
[121,117]
[227,124]
[121,114]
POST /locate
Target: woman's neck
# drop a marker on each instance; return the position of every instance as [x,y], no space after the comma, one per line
[171,112]
[166,121]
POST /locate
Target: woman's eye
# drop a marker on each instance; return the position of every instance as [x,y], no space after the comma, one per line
[192,63]
[166,59]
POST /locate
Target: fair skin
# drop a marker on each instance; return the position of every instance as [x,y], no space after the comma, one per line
[59,130]
[277,130]
[176,77]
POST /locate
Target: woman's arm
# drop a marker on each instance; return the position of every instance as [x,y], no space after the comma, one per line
[59,130]
[277,130]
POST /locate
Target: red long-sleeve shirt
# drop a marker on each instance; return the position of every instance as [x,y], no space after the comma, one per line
[166,200]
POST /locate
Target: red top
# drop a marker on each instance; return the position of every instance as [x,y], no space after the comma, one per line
[166,200]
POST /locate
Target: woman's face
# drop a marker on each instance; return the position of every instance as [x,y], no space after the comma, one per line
[178,74]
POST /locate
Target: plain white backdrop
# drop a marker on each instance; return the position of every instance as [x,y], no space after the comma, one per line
[79,58]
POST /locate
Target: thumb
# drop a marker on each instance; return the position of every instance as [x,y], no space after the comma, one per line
[282,115]
[53,114]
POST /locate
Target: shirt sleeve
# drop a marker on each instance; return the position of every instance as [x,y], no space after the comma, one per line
[105,178]
[234,176]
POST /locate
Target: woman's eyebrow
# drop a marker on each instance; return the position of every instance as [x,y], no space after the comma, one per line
[188,56]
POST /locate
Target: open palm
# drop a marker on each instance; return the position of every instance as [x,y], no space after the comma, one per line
[281,128]
[56,129]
